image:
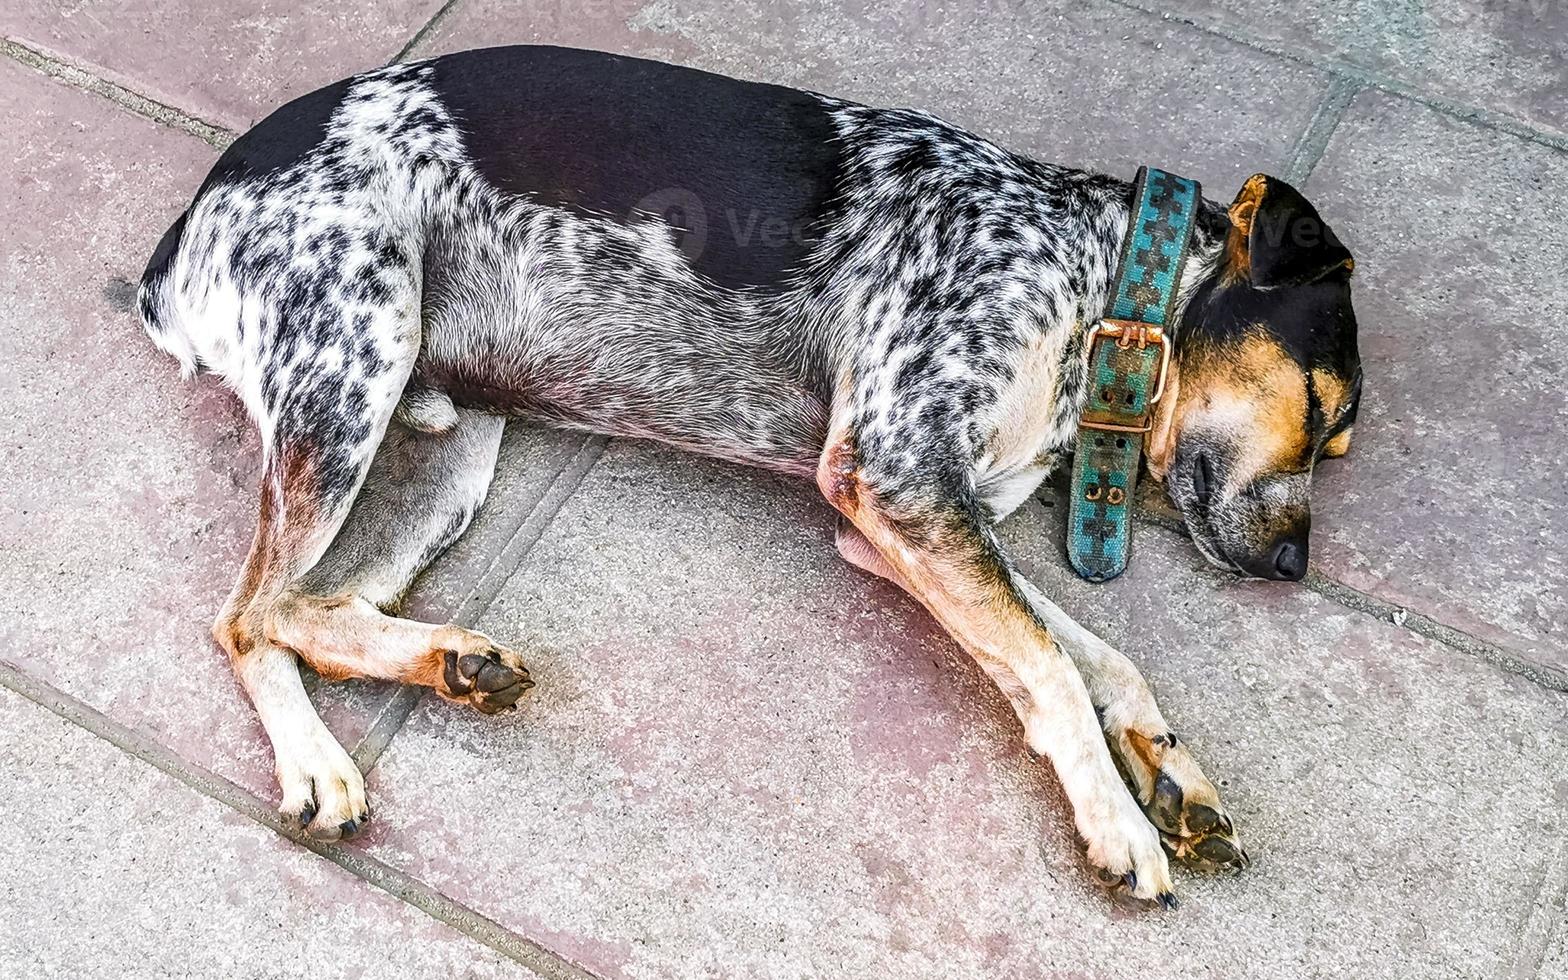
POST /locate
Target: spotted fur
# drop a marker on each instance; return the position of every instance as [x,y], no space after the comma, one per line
[873,297]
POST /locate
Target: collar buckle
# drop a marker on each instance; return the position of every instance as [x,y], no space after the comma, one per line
[1126,333]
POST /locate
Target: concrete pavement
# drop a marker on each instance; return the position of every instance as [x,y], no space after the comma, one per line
[745,758]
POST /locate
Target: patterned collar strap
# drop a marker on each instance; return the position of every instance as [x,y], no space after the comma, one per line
[1128,358]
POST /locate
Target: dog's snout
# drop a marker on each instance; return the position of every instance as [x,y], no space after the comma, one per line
[1290,559]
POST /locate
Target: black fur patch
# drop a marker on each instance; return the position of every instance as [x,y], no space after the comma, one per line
[1315,323]
[282,139]
[158,265]
[747,168]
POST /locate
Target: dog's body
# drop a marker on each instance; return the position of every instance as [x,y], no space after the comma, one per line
[871,297]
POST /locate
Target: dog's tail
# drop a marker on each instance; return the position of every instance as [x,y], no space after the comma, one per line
[153,300]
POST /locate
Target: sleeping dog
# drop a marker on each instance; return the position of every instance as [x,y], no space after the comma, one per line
[387,268]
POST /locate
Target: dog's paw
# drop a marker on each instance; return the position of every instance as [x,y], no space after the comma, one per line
[478,672]
[323,790]
[1185,806]
[1124,851]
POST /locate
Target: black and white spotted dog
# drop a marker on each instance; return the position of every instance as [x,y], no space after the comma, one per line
[386,268]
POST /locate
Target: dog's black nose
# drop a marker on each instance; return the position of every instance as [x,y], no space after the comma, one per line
[1289,559]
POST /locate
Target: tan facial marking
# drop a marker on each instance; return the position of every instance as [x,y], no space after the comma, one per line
[1250,390]
[1339,445]
[1334,396]
[1333,392]
[1270,380]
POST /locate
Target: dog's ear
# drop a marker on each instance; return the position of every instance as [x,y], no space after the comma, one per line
[1278,239]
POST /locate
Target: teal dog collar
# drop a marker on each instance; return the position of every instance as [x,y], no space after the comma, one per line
[1129,355]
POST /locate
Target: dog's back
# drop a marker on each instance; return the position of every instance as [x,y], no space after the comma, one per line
[604,136]
[527,198]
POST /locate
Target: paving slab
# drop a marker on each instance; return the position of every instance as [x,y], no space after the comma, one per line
[129,495]
[1451,501]
[112,869]
[746,758]
[1555,965]
[534,467]
[229,62]
[1090,85]
[1506,55]
[601,25]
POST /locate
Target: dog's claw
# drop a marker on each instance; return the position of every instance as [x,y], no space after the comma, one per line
[1201,819]
[1136,888]
[1123,890]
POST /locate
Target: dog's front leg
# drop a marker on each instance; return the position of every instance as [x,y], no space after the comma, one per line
[1176,795]
[944,553]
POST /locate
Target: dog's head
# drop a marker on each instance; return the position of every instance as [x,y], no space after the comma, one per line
[1265,381]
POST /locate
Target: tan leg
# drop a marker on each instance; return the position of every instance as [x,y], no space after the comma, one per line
[420,494]
[320,441]
[949,560]
[345,636]
[323,790]
[1174,792]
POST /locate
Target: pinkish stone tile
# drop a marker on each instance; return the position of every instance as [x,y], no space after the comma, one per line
[113,869]
[603,25]
[533,463]
[129,495]
[745,758]
[1505,55]
[231,61]
[1452,501]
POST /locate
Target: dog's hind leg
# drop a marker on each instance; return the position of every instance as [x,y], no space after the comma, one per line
[420,494]
[424,487]
[322,418]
